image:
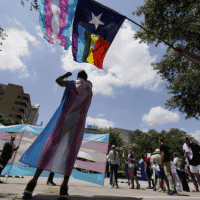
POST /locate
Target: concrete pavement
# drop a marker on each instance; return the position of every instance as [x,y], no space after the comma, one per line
[81,190]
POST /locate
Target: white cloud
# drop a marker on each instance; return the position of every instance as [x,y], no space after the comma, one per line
[99,122]
[14,21]
[159,115]
[196,135]
[145,130]
[14,48]
[127,63]
[100,115]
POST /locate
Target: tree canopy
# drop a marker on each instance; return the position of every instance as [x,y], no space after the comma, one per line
[144,143]
[177,22]
[6,121]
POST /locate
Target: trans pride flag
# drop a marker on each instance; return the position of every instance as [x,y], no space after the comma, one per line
[55,19]
[94,29]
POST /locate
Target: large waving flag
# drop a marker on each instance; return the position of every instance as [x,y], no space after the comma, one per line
[94,29]
[56,18]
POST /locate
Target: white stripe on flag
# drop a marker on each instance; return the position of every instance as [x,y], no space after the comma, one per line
[55,20]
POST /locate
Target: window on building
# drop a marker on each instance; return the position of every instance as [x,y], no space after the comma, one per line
[22,97]
[20,103]
[15,109]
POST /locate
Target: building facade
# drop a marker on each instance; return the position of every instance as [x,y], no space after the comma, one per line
[124,134]
[14,103]
[33,116]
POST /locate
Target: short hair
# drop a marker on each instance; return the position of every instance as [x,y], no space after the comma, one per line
[187,139]
[82,74]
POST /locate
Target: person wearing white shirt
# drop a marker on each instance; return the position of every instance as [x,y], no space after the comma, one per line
[180,172]
[157,159]
[113,159]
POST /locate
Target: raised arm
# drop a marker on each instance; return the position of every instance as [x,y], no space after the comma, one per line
[60,80]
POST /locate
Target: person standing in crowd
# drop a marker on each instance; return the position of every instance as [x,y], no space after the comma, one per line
[149,172]
[165,162]
[64,133]
[180,166]
[8,149]
[131,168]
[159,171]
[187,149]
[126,170]
[194,159]
[113,159]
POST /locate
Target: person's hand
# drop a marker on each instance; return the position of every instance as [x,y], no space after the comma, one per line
[68,74]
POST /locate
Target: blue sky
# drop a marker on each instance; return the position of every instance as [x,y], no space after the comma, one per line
[128,94]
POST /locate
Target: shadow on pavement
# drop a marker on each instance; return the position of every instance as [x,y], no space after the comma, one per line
[76,197]
[5,195]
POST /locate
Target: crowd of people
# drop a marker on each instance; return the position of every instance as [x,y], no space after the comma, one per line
[158,168]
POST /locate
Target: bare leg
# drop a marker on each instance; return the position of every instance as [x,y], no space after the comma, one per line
[131,171]
[167,183]
[193,178]
[198,178]
[155,184]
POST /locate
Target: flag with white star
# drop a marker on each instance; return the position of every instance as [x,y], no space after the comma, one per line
[94,29]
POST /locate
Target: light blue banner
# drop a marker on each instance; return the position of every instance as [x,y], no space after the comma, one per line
[20,170]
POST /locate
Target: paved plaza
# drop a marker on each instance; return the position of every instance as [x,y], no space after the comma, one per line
[81,190]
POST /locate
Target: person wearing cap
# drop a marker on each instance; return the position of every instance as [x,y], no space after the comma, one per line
[113,158]
[131,168]
[166,163]
[156,159]
[8,149]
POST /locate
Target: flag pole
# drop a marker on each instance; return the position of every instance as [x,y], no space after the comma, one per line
[14,157]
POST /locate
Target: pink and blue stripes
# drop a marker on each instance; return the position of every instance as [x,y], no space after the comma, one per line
[56,18]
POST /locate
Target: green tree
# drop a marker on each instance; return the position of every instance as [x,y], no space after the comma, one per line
[6,121]
[177,23]
[3,35]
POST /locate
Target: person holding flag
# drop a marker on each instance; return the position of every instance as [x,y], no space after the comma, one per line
[7,152]
[57,147]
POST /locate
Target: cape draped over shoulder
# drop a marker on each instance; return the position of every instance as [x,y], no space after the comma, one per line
[57,147]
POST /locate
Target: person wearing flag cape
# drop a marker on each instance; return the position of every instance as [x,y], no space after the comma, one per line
[57,147]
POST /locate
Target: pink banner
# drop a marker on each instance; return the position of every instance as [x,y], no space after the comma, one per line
[96,146]
[93,166]
[26,141]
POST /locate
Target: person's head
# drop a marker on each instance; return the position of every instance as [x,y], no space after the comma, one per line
[161,141]
[187,141]
[13,138]
[82,74]
[113,147]
[157,151]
